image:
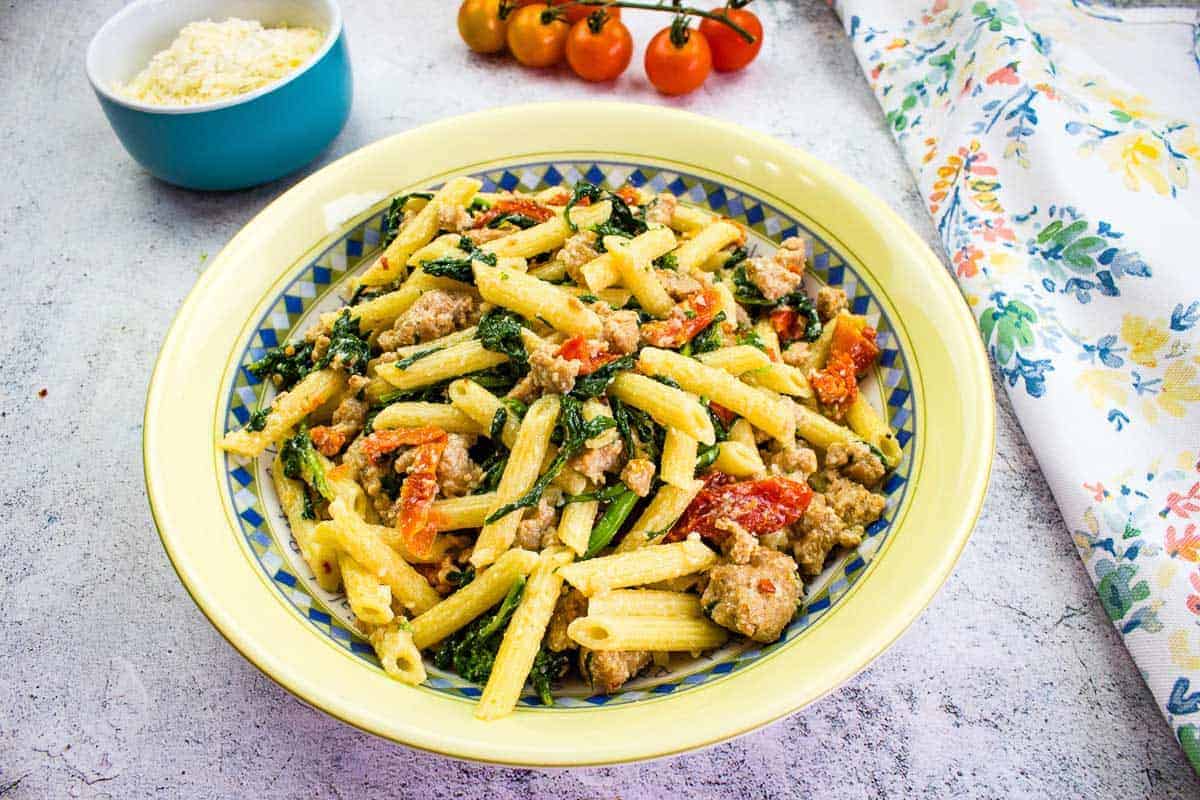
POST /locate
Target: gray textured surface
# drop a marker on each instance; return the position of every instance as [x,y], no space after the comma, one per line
[1013,683]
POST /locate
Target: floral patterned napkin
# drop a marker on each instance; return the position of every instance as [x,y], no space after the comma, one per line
[1057,145]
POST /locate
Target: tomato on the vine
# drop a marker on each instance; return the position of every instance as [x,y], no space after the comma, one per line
[481,25]
[730,52]
[678,60]
[578,12]
[537,37]
[599,47]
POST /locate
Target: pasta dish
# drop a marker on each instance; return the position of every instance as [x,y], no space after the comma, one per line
[573,431]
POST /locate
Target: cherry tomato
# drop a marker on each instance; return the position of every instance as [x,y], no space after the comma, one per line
[678,68]
[730,52]
[576,13]
[480,25]
[534,42]
[599,54]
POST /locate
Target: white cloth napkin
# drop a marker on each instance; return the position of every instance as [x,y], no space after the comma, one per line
[1057,145]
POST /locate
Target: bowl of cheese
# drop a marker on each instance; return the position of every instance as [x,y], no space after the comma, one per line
[223,94]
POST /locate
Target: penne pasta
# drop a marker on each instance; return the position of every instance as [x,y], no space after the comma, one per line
[690,255]
[455,360]
[287,411]
[398,654]
[524,463]
[370,600]
[417,415]
[818,430]
[536,299]
[549,234]
[457,610]
[575,524]
[523,637]
[689,219]
[670,407]
[738,460]
[639,567]
[644,603]
[418,231]
[458,513]
[667,505]
[678,466]
[360,543]
[638,276]
[735,360]
[865,421]
[764,410]
[602,272]
[320,557]
[656,634]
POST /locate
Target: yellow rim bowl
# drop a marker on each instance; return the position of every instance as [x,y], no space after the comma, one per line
[947,365]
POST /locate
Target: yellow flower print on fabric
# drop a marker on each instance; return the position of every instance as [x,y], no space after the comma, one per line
[1145,338]
[1137,157]
[1103,387]
[1179,387]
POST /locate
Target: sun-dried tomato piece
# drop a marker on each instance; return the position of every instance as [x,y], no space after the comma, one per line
[590,354]
[836,386]
[382,443]
[724,414]
[529,208]
[759,506]
[328,440]
[628,194]
[855,343]
[687,319]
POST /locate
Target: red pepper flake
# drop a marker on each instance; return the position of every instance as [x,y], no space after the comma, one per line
[759,506]
[529,208]
[686,320]
[43,392]
[765,586]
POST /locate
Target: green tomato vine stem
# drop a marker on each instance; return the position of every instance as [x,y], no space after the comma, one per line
[673,8]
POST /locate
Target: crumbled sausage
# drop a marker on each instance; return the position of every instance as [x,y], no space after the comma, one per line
[572,604]
[830,302]
[457,474]
[525,390]
[578,250]
[621,331]
[818,531]
[661,209]
[441,576]
[797,354]
[553,373]
[454,218]
[678,285]
[790,460]
[593,462]
[537,528]
[607,670]
[855,461]
[756,599]
[485,235]
[370,476]
[773,277]
[435,314]
[638,475]
[740,545]
[854,503]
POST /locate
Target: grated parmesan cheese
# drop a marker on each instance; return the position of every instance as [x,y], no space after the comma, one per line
[215,60]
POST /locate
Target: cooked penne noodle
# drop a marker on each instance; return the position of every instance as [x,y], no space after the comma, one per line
[370,600]
[644,603]
[735,360]
[738,460]
[360,543]
[523,637]
[481,406]
[668,634]
[678,465]
[670,407]
[524,463]
[689,219]
[552,271]
[742,431]
[818,351]
[417,415]
[457,610]
[287,411]
[764,410]
[781,378]
[729,305]
[639,567]
[864,420]
[398,654]
[536,299]
[418,231]
[549,234]
[321,558]
[441,247]
[575,524]
[690,255]
[344,483]
[455,360]
[638,276]
[667,505]
[458,513]
[820,431]
[602,272]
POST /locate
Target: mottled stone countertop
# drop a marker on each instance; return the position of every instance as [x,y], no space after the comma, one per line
[1012,684]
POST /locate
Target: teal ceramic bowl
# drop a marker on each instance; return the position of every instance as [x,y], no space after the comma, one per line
[242,141]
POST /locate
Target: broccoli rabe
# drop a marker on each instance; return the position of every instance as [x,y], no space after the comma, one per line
[347,345]
[284,365]
[301,462]
[258,420]
[548,667]
[472,651]
[394,217]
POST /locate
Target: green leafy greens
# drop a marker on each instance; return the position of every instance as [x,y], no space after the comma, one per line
[395,214]
[471,652]
[500,331]
[347,346]
[301,462]
[285,364]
